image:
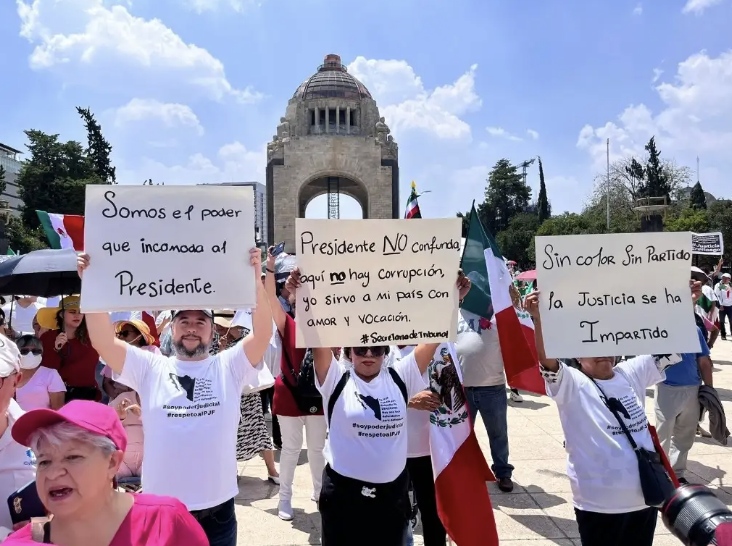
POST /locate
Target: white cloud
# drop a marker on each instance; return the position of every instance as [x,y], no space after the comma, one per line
[169,114]
[200,6]
[638,10]
[533,134]
[233,163]
[87,42]
[657,73]
[406,104]
[500,132]
[696,118]
[697,7]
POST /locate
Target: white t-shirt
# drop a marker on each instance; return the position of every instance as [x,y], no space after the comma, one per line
[192,412]
[22,317]
[418,421]
[479,351]
[601,465]
[17,468]
[366,438]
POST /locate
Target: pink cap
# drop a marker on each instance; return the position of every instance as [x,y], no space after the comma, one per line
[90,416]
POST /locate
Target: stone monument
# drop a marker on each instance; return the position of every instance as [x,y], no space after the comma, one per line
[331,136]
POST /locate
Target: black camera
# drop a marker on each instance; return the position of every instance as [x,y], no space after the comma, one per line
[694,514]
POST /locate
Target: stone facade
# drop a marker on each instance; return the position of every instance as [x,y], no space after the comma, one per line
[331,128]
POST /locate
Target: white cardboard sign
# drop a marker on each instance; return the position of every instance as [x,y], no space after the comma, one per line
[168,247]
[377,282]
[616,294]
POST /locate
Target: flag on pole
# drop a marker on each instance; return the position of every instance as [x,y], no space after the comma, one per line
[491,294]
[412,204]
[63,230]
[458,463]
[10,252]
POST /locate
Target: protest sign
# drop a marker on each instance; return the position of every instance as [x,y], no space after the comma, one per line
[168,247]
[711,244]
[615,295]
[377,282]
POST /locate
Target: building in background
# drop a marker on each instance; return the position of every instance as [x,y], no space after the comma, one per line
[260,208]
[10,161]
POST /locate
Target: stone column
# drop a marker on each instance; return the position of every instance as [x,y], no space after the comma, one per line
[317,120]
[327,119]
[348,120]
[338,118]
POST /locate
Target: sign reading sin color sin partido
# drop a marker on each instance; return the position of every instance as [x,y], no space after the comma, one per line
[377,282]
[168,247]
[616,294]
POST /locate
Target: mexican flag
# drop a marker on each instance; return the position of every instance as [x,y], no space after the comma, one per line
[63,230]
[458,463]
[490,295]
[412,204]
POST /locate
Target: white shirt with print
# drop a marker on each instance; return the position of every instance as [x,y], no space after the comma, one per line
[17,469]
[601,464]
[192,412]
[367,437]
[418,421]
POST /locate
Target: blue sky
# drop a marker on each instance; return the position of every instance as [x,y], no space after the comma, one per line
[190,91]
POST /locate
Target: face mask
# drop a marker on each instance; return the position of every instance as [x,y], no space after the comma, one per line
[30,361]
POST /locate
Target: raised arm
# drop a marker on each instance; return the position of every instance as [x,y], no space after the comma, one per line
[257,341]
[101,331]
[270,286]
[425,352]
[531,304]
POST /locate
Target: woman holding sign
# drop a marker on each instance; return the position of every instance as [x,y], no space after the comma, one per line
[365,478]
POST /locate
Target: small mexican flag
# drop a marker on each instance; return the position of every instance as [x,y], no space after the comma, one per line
[63,230]
[412,204]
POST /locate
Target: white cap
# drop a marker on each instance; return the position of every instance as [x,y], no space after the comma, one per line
[727,275]
[9,357]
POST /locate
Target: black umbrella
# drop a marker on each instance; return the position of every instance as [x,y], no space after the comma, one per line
[44,273]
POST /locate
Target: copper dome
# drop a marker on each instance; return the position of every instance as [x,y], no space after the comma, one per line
[332,80]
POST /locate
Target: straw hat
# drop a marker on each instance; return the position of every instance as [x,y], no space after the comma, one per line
[138,325]
[46,316]
[223,317]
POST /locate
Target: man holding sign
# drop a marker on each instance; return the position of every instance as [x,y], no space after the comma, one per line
[190,405]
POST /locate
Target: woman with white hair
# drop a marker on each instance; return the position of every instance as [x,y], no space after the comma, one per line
[79,450]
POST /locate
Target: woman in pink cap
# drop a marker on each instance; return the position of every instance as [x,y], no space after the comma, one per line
[79,450]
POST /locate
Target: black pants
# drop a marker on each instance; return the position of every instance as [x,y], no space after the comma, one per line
[627,529]
[725,315]
[267,398]
[423,483]
[356,513]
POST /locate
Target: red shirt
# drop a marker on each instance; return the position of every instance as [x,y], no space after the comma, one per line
[283,403]
[79,360]
[152,521]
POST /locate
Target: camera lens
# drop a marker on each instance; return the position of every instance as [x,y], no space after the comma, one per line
[694,513]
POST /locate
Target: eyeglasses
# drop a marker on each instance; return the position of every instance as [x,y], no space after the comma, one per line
[33,351]
[125,333]
[379,350]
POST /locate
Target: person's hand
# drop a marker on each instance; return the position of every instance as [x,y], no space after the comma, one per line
[531,304]
[61,340]
[696,290]
[271,260]
[293,281]
[255,258]
[463,284]
[425,401]
[135,409]
[82,262]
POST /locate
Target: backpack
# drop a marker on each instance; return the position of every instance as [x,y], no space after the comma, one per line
[342,385]
[306,394]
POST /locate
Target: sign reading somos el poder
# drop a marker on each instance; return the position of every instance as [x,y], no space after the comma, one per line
[615,295]
[377,282]
[168,247]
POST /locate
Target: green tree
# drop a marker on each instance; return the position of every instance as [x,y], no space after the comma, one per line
[719,214]
[506,196]
[23,240]
[689,220]
[98,148]
[697,199]
[543,206]
[3,182]
[465,216]
[656,176]
[516,240]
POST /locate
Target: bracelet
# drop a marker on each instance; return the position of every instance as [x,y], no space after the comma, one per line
[270,270]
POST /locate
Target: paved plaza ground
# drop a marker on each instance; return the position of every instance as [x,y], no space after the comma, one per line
[538,512]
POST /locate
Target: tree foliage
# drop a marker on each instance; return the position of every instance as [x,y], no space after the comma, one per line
[697,199]
[3,182]
[506,196]
[98,148]
[516,240]
[544,209]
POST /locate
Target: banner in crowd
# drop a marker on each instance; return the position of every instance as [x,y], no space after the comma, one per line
[377,282]
[711,244]
[616,294]
[168,247]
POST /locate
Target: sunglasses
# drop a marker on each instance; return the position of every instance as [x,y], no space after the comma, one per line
[126,333]
[33,351]
[378,350]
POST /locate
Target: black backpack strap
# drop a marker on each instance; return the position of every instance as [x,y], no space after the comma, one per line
[399,383]
[337,392]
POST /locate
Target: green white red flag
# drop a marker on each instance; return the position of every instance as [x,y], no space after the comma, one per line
[63,230]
